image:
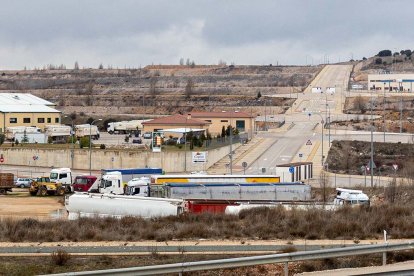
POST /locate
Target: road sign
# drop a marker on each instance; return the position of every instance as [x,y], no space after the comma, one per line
[300,155]
[35,157]
[1,159]
[244,164]
[369,165]
[113,159]
[291,169]
[199,156]
[395,166]
[309,143]
[156,141]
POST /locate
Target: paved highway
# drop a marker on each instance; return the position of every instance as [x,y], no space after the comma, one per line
[302,126]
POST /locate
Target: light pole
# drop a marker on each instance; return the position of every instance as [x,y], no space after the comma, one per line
[185,145]
[383,109]
[90,145]
[72,150]
[400,87]
[322,122]
[371,163]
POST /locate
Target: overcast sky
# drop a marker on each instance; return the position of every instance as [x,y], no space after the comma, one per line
[136,33]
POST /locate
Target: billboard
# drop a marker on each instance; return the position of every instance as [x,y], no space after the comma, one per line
[156,141]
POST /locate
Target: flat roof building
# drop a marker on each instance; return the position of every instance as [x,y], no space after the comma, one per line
[391,82]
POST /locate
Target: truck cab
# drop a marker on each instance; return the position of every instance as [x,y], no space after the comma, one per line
[111,183]
[350,197]
[138,187]
[83,183]
[62,176]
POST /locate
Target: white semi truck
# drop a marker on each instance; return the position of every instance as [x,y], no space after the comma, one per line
[125,127]
[11,131]
[59,133]
[63,176]
[86,130]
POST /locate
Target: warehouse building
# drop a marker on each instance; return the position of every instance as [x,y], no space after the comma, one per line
[174,122]
[391,82]
[21,109]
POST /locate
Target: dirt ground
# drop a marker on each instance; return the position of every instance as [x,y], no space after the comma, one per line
[19,204]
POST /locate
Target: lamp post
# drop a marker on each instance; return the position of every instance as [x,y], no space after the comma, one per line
[322,122]
[185,145]
[400,87]
[371,163]
[383,109]
[72,150]
[90,145]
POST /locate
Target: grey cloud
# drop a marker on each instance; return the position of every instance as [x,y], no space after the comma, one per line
[127,32]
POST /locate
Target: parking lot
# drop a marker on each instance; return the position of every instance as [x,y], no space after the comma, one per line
[119,139]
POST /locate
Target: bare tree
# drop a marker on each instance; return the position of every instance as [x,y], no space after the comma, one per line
[189,88]
[76,67]
[89,88]
[360,104]
[181,61]
[153,87]
[391,191]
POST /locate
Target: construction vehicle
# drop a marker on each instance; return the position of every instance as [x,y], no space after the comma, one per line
[6,183]
[42,186]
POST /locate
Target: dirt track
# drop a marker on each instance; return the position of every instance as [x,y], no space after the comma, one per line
[19,204]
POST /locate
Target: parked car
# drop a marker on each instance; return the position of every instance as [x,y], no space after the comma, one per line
[137,141]
[147,135]
[23,182]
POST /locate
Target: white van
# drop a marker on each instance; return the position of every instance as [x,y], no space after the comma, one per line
[350,197]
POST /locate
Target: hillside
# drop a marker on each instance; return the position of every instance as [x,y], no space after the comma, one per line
[162,89]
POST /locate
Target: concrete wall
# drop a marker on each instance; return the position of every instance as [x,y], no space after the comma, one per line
[173,161]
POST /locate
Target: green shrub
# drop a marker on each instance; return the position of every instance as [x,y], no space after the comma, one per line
[84,142]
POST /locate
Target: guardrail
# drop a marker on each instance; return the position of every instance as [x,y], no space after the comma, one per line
[254,260]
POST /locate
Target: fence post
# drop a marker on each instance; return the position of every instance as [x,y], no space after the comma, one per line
[286,268]
[384,258]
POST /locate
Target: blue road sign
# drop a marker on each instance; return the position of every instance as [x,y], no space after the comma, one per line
[291,169]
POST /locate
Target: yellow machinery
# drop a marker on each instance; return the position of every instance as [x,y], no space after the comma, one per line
[42,186]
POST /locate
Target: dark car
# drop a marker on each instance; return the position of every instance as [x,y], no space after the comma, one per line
[137,141]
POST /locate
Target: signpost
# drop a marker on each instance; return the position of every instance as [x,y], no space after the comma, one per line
[199,157]
[156,142]
[292,169]
[244,165]
[309,143]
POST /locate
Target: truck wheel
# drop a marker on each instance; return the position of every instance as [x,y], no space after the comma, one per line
[42,191]
[68,189]
[33,193]
[3,191]
[60,191]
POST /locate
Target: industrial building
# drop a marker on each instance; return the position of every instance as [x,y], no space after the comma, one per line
[23,109]
[174,122]
[242,121]
[391,82]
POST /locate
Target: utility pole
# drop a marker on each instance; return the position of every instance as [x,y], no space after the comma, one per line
[371,163]
[401,105]
[383,109]
[231,145]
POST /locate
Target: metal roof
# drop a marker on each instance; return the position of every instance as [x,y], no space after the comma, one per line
[22,99]
[182,130]
[24,103]
[26,108]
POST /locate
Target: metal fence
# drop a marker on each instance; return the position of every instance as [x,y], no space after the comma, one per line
[254,260]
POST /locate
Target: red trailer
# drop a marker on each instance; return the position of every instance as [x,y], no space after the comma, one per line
[206,206]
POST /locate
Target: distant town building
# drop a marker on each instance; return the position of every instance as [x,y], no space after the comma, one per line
[391,82]
[174,122]
[23,109]
[242,121]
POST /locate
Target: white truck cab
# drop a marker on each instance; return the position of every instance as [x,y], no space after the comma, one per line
[61,175]
[350,197]
[138,187]
[111,183]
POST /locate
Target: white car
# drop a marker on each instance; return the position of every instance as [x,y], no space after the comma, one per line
[23,182]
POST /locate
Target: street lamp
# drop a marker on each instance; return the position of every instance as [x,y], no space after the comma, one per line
[72,142]
[90,145]
[322,122]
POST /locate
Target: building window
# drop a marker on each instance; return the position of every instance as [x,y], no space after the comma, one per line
[57,120]
[208,121]
[26,120]
[49,120]
[224,121]
[13,120]
[240,125]
[41,120]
